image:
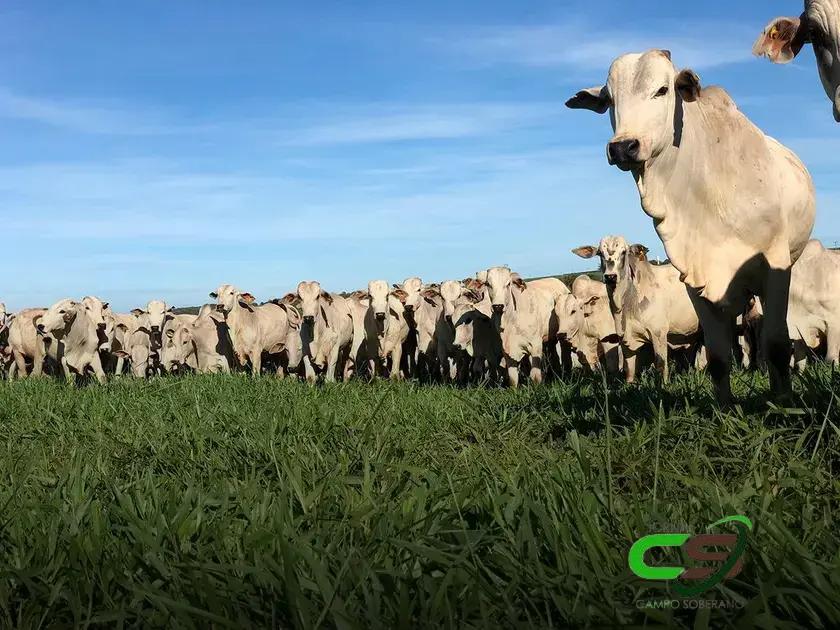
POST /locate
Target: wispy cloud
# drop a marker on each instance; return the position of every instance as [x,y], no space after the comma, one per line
[89,117]
[400,122]
[581,46]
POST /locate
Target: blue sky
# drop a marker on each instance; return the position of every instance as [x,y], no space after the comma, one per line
[159,149]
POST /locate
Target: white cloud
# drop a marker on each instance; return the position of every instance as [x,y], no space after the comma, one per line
[395,122]
[580,46]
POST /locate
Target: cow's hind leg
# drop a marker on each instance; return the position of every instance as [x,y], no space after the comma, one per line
[775,338]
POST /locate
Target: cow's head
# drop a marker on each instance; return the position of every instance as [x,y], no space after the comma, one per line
[644,95]
[311,294]
[569,312]
[612,251]
[783,38]
[157,311]
[450,291]
[100,314]
[58,318]
[502,283]
[177,348]
[378,294]
[413,288]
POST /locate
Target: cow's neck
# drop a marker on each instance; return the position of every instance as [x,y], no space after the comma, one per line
[680,190]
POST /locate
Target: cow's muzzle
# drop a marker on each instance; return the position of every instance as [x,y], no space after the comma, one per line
[309,319]
[611,279]
[409,308]
[41,330]
[499,308]
[380,317]
[624,153]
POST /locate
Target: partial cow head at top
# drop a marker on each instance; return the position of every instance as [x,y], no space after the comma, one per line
[644,94]
[612,251]
[783,38]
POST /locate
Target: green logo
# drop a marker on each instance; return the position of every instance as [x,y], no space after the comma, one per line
[700,548]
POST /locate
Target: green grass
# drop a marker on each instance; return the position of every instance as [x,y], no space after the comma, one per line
[227,501]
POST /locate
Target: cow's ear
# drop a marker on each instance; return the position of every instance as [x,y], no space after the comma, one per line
[247,298]
[431,293]
[105,305]
[400,295]
[518,281]
[782,39]
[639,251]
[613,338]
[595,99]
[144,330]
[122,354]
[137,312]
[591,301]
[585,251]
[171,309]
[396,286]
[327,297]
[214,295]
[687,84]
[246,304]
[170,333]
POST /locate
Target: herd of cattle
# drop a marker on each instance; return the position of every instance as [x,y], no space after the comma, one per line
[494,326]
[733,208]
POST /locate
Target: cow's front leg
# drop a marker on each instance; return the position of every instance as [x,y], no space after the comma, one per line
[660,356]
[717,331]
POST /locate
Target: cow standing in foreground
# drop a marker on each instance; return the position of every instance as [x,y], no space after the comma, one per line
[326,318]
[733,207]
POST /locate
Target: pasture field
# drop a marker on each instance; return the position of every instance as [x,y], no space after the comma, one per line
[209,501]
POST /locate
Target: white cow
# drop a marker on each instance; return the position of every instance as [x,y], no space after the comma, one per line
[450,358]
[650,305]
[385,327]
[522,316]
[26,345]
[203,345]
[476,335]
[733,207]
[253,330]
[819,25]
[586,323]
[814,311]
[74,339]
[133,342]
[324,313]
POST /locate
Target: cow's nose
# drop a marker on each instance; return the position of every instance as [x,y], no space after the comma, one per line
[41,328]
[155,328]
[499,308]
[380,317]
[449,318]
[309,319]
[610,279]
[409,308]
[623,151]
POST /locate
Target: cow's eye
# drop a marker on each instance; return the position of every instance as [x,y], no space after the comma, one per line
[574,311]
[661,91]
